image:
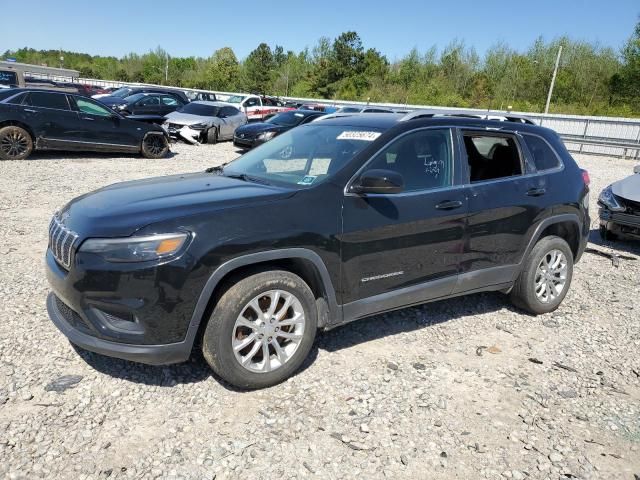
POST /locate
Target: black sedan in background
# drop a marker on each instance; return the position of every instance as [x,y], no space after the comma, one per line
[35,119]
[149,104]
[254,134]
[117,97]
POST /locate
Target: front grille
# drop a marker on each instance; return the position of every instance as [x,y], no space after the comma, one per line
[633,208]
[62,242]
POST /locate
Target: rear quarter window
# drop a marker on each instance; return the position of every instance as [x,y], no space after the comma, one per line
[543,155]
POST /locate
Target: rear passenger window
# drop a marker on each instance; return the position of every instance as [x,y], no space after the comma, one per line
[543,156]
[491,157]
[48,100]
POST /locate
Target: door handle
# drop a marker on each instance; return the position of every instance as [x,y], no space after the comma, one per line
[449,205]
[87,118]
[536,192]
[30,110]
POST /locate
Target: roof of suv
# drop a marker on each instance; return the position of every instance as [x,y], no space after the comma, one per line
[385,121]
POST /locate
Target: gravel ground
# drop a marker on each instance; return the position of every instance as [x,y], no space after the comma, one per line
[464,388]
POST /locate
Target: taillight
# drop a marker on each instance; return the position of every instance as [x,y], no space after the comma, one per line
[585,177]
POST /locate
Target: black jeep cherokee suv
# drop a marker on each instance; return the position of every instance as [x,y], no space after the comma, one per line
[327,223]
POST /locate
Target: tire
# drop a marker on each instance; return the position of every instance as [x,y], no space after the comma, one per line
[212,135]
[527,293]
[241,300]
[15,143]
[606,234]
[155,146]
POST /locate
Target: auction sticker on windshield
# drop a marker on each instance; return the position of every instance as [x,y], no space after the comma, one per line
[355,135]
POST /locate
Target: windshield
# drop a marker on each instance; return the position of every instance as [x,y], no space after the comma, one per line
[235,99]
[122,92]
[200,109]
[287,119]
[8,78]
[303,156]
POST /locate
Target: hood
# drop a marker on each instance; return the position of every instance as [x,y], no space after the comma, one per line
[252,129]
[187,118]
[123,208]
[628,188]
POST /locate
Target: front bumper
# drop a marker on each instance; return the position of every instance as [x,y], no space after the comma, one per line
[149,354]
[620,222]
[135,312]
[246,143]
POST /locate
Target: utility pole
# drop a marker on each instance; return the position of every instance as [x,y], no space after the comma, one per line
[166,70]
[553,80]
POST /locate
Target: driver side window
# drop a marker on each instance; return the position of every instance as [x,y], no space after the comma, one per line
[149,101]
[424,159]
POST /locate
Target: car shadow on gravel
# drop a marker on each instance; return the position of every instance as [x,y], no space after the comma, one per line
[195,370]
[626,245]
[413,318]
[62,155]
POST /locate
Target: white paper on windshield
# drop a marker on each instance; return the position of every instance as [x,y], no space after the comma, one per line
[356,135]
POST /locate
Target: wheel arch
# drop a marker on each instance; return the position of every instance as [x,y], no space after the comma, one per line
[17,123]
[303,262]
[566,226]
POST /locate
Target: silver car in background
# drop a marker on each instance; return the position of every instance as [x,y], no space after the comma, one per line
[204,122]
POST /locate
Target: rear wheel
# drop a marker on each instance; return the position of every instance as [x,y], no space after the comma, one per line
[261,330]
[15,143]
[155,146]
[545,279]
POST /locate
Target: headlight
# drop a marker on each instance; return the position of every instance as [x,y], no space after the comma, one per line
[266,135]
[609,200]
[132,249]
[198,126]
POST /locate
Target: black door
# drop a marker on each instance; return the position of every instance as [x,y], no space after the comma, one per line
[53,121]
[505,202]
[147,105]
[102,128]
[395,243]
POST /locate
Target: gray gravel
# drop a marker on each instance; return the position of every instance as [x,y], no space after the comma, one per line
[465,388]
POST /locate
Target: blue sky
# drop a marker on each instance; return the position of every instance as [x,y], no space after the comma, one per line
[197,27]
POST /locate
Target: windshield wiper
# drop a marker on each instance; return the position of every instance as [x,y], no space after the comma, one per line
[247,178]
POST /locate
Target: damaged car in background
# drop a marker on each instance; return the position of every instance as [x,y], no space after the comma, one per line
[255,134]
[620,208]
[204,122]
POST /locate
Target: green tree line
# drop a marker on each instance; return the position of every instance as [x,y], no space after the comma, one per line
[591,80]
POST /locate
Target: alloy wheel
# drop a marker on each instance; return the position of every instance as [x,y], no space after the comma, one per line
[551,276]
[14,144]
[155,144]
[268,331]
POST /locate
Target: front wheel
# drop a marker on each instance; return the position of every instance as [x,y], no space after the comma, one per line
[545,278]
[155,146]
[15,143]
[261,329]
[212,135]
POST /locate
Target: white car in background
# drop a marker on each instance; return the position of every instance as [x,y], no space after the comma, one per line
[204,122]
[256,107]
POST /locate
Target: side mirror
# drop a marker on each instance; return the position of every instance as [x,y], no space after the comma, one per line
[378,181]
[636,169]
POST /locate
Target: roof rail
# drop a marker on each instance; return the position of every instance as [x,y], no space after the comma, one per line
[488,115]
